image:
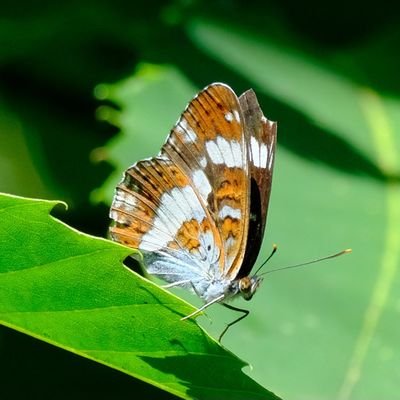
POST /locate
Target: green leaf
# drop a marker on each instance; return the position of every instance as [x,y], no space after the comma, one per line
[333,328]
[146,116]
[71,290]
[330,100]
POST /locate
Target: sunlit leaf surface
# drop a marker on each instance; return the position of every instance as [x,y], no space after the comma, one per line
[71,290]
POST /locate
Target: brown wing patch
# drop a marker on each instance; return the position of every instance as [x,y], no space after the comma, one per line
[230,189]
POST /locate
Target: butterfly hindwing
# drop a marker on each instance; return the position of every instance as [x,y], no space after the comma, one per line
[261,141]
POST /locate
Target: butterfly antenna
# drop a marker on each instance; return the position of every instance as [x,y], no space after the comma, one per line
[310,262]
[274,249]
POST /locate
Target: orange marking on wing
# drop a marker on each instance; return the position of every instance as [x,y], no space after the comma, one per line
[131,227]
[205,225]
[206,115]
[231,186]
[137,181]
[134,218]
[231,232]
[232,192]
[225,102]
[158,170]
[181,179]
[230,227]
[173,245]
[188,235]
[130,236]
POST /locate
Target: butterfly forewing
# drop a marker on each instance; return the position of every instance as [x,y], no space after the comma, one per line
[208,142]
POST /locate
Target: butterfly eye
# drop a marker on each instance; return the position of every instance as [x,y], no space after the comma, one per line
[245,287]
[244,284]
[248,286]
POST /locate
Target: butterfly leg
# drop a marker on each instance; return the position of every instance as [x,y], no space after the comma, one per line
[179,283]
[194,289]
[199,310]
[245,314]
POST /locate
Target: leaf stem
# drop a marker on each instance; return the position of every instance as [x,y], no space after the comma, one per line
[383,139]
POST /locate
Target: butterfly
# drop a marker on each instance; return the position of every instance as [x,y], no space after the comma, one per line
[197,211]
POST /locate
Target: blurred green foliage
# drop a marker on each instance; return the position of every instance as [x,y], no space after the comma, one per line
[327,72]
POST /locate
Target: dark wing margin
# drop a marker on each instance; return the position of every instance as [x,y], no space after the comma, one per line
[261,141]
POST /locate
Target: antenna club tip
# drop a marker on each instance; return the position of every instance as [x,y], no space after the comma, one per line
[274,246]
[347,251]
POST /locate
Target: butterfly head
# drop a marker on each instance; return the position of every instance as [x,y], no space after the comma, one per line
[248,285]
